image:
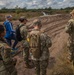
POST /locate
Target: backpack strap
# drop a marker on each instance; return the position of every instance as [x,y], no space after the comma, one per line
[20,26]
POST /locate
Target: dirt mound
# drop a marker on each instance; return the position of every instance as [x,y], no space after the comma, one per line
[58,63]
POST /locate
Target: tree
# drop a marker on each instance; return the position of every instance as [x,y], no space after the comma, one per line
[61,9]
[24,8]
[17,9]
[4,8]
[49,8]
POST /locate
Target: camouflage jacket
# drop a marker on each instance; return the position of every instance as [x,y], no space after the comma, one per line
[70,30]
[70,27]
[23,31]
[6,60]
[44,47]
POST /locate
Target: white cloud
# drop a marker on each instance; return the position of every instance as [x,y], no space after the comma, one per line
[36,3]
[67,3]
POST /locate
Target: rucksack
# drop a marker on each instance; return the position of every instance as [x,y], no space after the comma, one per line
[35,44]
[18,34]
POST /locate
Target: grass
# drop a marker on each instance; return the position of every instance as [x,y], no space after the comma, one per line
[17,16]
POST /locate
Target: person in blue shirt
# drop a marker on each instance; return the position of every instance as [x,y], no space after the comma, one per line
[10,32]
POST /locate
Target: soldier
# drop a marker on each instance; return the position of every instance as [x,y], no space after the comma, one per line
[39,44]
[70,30]
[25,44]
[7,63]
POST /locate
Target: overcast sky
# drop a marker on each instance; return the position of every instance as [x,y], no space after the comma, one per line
[36,3]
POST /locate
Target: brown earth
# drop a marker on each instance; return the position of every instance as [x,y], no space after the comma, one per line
[54,26]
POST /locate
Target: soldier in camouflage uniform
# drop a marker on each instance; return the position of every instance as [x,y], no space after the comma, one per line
[70,30]
[41,63]
[25,44]
[7,63]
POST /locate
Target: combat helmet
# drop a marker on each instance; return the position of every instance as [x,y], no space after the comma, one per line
[37,22]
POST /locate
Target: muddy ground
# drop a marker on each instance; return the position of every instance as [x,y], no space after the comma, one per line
[54,26]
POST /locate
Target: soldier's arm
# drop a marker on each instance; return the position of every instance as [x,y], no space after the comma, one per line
[68,27]
[46,40]
[6,55]
[42,40]
[24,33]
[9,26]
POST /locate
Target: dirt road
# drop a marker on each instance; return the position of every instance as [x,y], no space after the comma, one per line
[54,26]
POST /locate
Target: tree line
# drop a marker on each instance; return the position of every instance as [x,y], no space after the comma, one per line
[19,10]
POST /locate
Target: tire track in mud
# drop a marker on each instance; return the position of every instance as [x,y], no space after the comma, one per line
[50,19]
[55,30]
[54,26]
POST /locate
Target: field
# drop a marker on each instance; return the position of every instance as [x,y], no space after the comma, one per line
[30,13]
[17,16]
[54,26]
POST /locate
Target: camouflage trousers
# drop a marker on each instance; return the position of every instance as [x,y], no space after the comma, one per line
[70,46]
[9,71]
[25,45]
[26,55]
[71,49]
[41,67]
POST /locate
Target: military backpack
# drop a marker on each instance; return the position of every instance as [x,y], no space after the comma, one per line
[18,34]
[35,44]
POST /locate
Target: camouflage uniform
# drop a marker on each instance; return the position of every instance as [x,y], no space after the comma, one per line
[70,30]
[7,64]
[41,63]
[25,44]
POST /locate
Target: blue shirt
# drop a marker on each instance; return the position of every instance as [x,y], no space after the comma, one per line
[9,29]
